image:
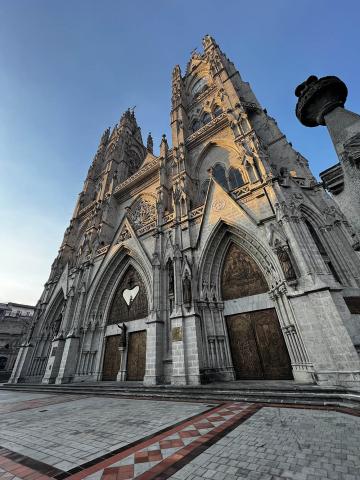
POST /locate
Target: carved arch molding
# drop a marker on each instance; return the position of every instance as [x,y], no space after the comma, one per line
[130,301]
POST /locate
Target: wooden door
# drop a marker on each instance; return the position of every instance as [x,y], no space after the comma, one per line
[245,355]
[273,352]
[111,364]
[136,358]
[257,346]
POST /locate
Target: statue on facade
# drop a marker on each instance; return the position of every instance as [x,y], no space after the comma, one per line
[285,262]
[122,340]
[187,295]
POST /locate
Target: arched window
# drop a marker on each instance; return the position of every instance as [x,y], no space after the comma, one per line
[220,175]
[235,178]
[195,125]
[322,250]
[217,111]
[206,118]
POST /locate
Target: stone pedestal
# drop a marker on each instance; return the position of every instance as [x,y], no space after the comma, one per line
[121,376]
[54,360]
[321,102]
[22,363]
[68,360]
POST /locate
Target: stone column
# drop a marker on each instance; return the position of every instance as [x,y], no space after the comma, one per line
[321,102]
[54,360]
[121,376]
[302,369]
[69,359]
[155,330]
[22,363]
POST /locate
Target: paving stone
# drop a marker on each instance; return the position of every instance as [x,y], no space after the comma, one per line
[104,424]
[280,444]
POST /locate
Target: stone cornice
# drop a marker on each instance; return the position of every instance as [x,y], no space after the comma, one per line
[217,124]
[137,177]
[86,209]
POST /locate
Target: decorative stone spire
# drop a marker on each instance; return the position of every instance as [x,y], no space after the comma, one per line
[128,123]
[163,147]
[150,143]
[177,86]
[208,41]
[127,117]
[105,137]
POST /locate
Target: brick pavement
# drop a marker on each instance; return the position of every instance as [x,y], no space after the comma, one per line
[102,438]
[283,443]
[68,434]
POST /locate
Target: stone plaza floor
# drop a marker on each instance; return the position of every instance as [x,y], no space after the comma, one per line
[44,436]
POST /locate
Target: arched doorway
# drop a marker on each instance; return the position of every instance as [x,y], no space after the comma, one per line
[127,350]
[49,330]
[257,345]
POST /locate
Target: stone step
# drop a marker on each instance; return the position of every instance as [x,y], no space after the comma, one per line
[316,397]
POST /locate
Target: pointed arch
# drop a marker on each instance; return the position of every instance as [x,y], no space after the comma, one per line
[227,146]
[226,154]
[206,118]
[129,301]
[217,110]
[235,178]
[219,172]
[215,249]
[104,287]
[53,316]
[314,223]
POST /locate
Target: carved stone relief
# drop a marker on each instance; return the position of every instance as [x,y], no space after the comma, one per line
[143,212]
[241,277]
[124,234]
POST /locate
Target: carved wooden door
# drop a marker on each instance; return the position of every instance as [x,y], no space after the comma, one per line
[136,356]
[245,355]
[111,364]
[271,344]
[257,346]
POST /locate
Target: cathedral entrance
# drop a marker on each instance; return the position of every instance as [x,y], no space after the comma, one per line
[136,358]
[128,311]
[257,346]
[111,358]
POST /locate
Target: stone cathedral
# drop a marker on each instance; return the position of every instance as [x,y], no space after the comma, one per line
[222,258]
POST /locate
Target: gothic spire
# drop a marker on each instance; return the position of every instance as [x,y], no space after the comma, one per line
[105,137]
[150,144]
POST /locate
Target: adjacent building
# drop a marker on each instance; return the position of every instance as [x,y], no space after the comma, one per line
[220,258]
[15,319]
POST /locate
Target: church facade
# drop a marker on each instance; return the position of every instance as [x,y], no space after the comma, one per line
[222,258]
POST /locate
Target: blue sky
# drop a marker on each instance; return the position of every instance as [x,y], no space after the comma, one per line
[68,69]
